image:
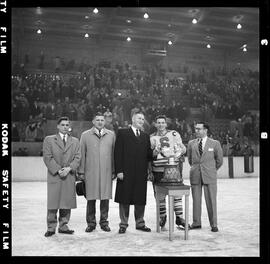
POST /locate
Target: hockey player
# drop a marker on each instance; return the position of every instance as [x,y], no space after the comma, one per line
[166,143]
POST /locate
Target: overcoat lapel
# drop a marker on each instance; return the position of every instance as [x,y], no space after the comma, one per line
[59,141]
[69,143]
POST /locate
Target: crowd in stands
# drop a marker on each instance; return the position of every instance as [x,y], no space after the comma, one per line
[119,90]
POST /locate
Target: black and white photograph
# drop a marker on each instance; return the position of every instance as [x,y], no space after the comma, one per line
[134,131]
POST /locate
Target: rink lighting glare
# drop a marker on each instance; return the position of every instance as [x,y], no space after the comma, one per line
[86,35]
[194,21]
[169,42]
[128,21]
[146,16]
[39,31]
[128,39]
[208,46]
[244,49]
[95,11]
[239,26]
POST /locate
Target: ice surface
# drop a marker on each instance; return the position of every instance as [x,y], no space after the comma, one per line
[238,223]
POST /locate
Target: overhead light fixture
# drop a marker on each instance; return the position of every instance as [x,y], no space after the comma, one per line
[239,26]
[146,16]
[39,11]
[128,39]
[86,35]
[39,31]
[128,21]
[170,42]
[244,49]
[208,46]
[86,17]
[95,11]
[194,21]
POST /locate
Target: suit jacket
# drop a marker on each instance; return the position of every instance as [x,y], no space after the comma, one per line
[97,163]
[131,157]
[207,164]
[61,192]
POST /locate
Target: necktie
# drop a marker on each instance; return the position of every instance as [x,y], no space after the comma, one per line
[99,133]
[137,133]
[64,140]
[200,147]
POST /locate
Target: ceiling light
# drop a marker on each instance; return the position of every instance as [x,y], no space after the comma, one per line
[244,49]
[239,26]
[86,17]
[194,21]
[208,46]
[245,45]
[128,39]
[128,21]
[146,16]
[170,42]
[86,35]
[39,31]
[95,11]
[39,11]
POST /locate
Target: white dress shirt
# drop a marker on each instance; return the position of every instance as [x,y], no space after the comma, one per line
[203,141]
[134,130]
[62,136]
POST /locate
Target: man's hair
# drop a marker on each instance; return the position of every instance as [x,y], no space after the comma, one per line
[137,112]
[161,117]
[62,118]
[205,125]
[97,114]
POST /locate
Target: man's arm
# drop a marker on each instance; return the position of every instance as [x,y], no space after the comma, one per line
[83,151]
[77,157]
[189,153]
[48,158]
[118,152]
[218,155]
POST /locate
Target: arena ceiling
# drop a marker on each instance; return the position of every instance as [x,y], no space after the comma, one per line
[216,26]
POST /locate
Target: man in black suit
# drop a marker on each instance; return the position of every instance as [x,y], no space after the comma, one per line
[132,153]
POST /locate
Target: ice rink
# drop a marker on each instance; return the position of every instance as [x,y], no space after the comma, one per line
[238,223]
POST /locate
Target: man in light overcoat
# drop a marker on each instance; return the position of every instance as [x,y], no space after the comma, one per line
[205,157]
[61,155]
[97,170]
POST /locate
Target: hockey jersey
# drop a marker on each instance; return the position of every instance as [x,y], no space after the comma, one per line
[169,145]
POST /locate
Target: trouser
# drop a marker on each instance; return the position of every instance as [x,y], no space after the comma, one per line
[210,195]
[91,212]
[178,206]
[64,216]
[138,213]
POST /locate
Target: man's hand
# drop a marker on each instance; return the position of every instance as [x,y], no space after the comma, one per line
[64,172]
[120,176]
[150,176]
[61,173]
[155,152]
[80,177]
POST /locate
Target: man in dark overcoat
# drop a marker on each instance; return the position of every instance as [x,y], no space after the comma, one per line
[61,155]
[131,155]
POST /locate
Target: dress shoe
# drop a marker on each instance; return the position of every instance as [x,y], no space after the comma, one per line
[105,228]
[195,227]
[49,233]
[144,228]
[68,232]
[214,229]
[122,230]
[90,229]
